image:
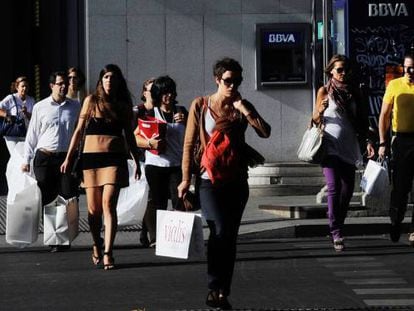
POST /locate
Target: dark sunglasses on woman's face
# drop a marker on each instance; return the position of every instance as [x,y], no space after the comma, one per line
[409,70]
[230,81]
[340,70]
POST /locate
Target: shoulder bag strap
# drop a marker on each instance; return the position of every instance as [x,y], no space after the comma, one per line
[15,104]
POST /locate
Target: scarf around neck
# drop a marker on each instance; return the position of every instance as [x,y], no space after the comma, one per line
[341,94]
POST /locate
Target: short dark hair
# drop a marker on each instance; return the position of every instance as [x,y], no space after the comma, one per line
[53,75]
[226,64]
[161,86]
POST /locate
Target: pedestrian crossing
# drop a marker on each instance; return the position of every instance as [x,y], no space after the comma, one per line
[83,221]
[368,276]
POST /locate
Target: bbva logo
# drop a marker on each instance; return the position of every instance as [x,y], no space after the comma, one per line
[281,38]
[387,9]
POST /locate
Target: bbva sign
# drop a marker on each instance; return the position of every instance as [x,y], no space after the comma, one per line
[281,38]
[387,9]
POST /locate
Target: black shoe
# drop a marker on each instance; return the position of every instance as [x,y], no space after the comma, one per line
[395,232]
[59,248]
[212,299]
[217,300]
[144,242]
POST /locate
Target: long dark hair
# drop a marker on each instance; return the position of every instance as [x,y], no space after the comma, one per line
[120,98]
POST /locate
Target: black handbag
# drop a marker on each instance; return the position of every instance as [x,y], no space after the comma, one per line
[191,200]
[77,171]
[14,126]
[77,167]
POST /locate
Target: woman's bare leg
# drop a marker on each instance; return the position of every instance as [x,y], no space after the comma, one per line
[109,201]
[94,201]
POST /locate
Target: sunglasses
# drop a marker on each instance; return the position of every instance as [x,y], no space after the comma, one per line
[409,69]
[229,81]
[60,83]
[340,70]
[72,77]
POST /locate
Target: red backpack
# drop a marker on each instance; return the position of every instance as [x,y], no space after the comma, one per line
[220,159]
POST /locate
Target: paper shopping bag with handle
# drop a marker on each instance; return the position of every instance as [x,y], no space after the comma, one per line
[179,235]
[60,221]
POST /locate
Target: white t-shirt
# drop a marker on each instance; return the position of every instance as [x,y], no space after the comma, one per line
[340,138]
[174,145]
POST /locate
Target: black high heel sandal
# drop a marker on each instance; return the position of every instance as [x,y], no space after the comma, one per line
[96,259]
[111,261]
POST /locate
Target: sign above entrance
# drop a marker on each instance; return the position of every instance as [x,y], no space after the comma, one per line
[387,9]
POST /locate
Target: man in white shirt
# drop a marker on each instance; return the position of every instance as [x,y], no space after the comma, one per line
[47,140]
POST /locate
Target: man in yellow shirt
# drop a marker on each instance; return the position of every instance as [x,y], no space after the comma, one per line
[398,103]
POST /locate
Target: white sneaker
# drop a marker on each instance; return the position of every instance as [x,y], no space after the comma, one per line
[411,239]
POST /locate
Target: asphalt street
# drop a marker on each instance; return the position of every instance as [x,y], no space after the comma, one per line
[271,274]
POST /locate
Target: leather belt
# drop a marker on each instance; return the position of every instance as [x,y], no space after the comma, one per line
[51,153]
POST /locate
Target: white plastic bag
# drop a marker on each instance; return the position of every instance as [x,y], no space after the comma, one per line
[61,221]
[179,235]
[375,181]
[132,201]
[24,203]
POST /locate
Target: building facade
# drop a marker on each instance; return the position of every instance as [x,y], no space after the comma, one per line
[281,44]
[184,38]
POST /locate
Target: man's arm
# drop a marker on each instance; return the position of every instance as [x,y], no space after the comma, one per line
[383,127]
[31,139]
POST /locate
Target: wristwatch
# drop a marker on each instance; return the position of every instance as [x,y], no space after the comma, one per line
[383,144]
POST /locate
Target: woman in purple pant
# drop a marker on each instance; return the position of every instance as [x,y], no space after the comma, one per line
[339,106]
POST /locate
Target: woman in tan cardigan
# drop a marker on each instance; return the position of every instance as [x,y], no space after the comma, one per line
[222,203]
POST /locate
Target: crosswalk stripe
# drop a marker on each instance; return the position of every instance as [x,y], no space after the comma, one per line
[372,281]
[360,273]
[354,264]
[346,259]
[389,302]
[383,291]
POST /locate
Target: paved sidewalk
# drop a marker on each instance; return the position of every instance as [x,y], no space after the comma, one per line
[256,223]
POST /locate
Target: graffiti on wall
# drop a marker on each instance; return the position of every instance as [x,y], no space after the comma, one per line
[376,50]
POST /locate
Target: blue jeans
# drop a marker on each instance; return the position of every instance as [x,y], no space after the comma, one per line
[222,206]
[340,179]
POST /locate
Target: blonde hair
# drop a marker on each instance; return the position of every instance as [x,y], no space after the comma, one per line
[15,83]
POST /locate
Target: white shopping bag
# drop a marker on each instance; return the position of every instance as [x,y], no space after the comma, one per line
[375,180]
[179,235]
[132,201]
[24,203]
[23,214]
[60,221]
[15,176]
